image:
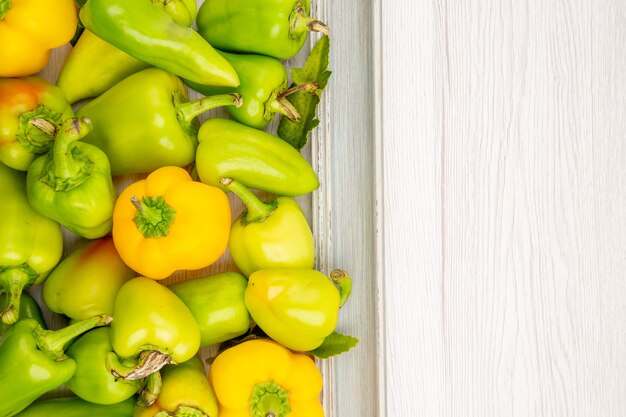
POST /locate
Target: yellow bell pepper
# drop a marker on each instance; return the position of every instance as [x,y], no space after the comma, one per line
[168,222]
[260,378]
[29,29]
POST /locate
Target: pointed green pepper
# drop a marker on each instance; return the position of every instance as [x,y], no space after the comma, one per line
[33,362]
[30,243]
[76,407]
[269,235]
[228,149]
[72,184]
[152,36]
[145,121]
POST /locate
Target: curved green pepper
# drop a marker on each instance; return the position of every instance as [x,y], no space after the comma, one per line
[217,304]
[277,28]
[228,149]
[152,328]
[86,282]
[23,100]
[269,235]
[29,309]
[94,65]
[297,308]
[185,392]
[32,361]
[145,122]
[76,407]
[73,184]
[30,243]
[152,36]
[263,90]
[92,380]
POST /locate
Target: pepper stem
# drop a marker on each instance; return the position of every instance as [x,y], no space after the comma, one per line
[283,106]
[269,400]
[257,210]
[44,125]
[5,6]
[182,411]
[65,165]
[13,280]
[300,22]
[154,216]
[150,361]
[344,282]
[151,390]
[53,342]
[186,112]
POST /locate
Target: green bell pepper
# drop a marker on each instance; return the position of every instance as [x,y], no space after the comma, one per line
[92,380]
[277,28]
[86,282]
[22,100]
[151,35]
[146,121]
[72,184]
[94,65]
[297,308]
[263,90]
[269,235]
[217,305]
[30,244]
[228,149]
[29,309]
[33,362]
[76,407]
[152,328]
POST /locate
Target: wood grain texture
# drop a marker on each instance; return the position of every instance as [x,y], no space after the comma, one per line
[510,248]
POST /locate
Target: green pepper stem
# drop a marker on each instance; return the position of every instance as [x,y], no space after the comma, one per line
[300,22]
[182,411]
[151,390]
[186,112]
[309,87]
[13,281]
[283,106]
[150,361]
[344,282]
[53,342]
[5,6]
[65,165]
[257,210]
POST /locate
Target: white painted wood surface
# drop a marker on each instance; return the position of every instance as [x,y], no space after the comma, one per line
[504,195]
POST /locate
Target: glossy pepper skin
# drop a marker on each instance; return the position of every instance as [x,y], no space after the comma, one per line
[269,235]
[152,36]
[29,309]
[72,184]
[260,378]
[22,101]
[256,159]
[29,30]
[297,308]
[169,222]
[86,281]
[185,392]
[94,65]
[277,28]
[150,320]
[30,243]
[146,122]
[76,407]
[92,380]
[217,304]
[32,361]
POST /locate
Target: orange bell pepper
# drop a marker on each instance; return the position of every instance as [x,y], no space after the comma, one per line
[29,29]
[169,222]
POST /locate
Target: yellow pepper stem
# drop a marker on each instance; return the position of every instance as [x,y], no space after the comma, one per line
[154,216]
[269,400]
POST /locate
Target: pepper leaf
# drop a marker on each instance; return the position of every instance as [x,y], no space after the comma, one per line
[315,70]
[335,344]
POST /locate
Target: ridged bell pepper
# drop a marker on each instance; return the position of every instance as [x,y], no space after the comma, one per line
[277,28]
[169,222]
[297,308]
[256,159]
[151,35]
[24,103]
[30,243]
[217,305]
[260,378]
[33,362]
[76,407]
[29,30]
[86,281]
[146,122]
[29,309]
[269,235]
[72,184]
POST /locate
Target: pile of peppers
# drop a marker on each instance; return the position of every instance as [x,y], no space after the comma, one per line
[122,259]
